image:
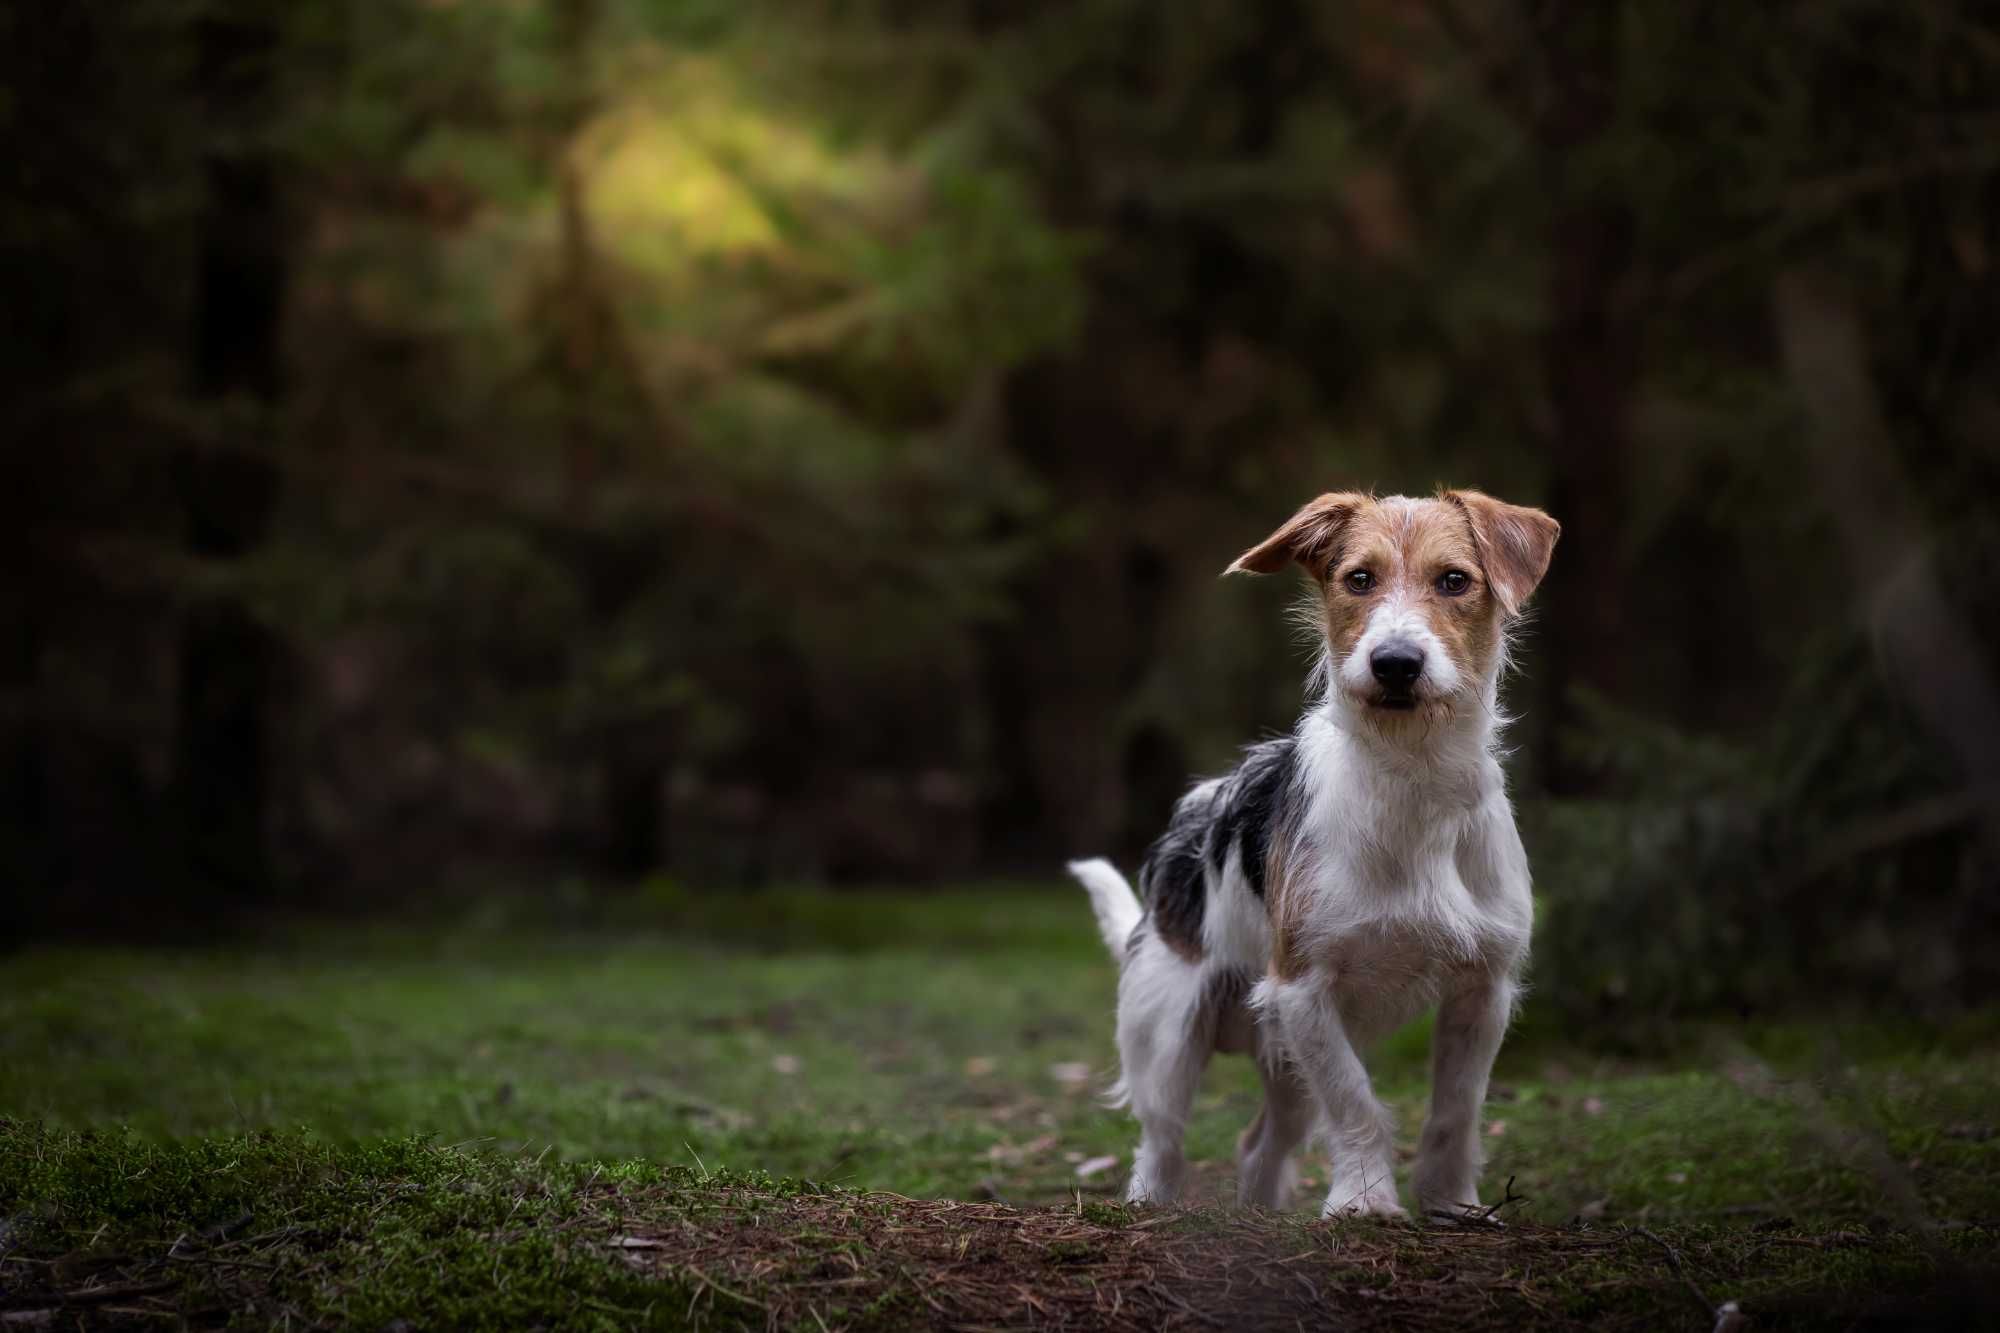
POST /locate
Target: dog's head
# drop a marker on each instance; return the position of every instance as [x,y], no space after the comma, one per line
[1414,596]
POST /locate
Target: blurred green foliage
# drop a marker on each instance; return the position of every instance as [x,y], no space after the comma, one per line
[796,440]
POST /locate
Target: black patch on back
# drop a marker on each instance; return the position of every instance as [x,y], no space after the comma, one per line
[1242,812]
[1251,804]
[1172,883]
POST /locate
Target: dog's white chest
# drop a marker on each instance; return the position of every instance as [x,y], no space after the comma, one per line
[1393,929]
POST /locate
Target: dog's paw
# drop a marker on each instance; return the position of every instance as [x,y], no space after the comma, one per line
[1460,1197]
[1454,1200]
[1363,1201]
[1463,1215]
[1151,1190]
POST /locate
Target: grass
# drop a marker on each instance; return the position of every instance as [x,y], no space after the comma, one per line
[502,1126]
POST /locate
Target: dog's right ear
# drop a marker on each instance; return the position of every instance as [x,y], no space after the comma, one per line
[1311,537]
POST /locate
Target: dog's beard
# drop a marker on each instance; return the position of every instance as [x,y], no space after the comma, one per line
[1405,716]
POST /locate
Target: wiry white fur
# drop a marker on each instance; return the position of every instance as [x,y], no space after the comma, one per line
[1235,926]
[1416,893]
[1111,899]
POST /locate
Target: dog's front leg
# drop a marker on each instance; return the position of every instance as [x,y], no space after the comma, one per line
[1470,1023]
[1361,1136]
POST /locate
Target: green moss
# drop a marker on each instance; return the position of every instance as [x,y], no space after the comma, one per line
[358,1235]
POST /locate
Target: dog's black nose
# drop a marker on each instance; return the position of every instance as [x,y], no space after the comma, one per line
[1396,665]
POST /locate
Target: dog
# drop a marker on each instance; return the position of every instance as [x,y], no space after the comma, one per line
[1342,879]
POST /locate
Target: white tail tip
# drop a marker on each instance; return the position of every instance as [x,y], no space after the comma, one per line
[1112,899]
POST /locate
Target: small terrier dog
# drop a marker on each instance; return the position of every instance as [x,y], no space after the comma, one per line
[1341,879]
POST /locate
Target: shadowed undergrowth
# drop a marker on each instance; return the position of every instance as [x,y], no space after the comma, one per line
[108,1230]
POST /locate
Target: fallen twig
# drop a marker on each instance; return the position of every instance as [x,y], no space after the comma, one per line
[1674,1257]
[116,1291]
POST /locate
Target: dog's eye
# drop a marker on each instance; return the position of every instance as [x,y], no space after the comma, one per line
[1359,581]
[1453,582]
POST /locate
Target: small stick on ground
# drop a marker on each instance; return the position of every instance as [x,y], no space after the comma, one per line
[84,1295]
[1509,1197]
[1674,1257]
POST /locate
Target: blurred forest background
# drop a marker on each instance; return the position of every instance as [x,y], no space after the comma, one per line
[459,446]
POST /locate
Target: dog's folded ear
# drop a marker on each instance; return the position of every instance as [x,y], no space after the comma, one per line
[1311,537]
[1515,544]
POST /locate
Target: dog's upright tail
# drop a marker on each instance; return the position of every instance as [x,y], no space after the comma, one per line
[1117,907]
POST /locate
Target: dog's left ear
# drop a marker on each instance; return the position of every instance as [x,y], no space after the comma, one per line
[1515,544]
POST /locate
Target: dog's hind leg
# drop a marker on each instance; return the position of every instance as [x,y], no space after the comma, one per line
[1266,1173]
[1166,1032]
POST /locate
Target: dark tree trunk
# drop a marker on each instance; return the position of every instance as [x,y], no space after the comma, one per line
[228,658]
[1591,359]
[634,790]
[598,383]
[26,838]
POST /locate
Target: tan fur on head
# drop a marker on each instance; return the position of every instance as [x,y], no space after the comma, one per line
[1447,572]
[1407,545]
[1515,544]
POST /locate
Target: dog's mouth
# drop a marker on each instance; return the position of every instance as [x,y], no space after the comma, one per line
[1395,701]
